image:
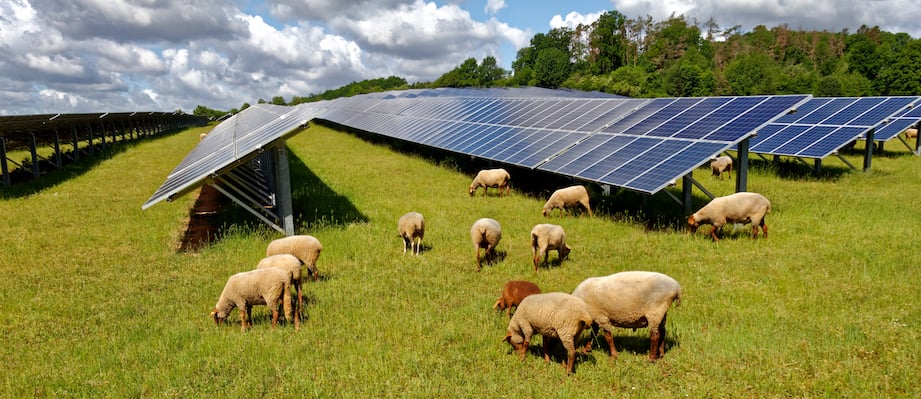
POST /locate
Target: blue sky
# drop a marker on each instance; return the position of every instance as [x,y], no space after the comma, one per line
[67,56]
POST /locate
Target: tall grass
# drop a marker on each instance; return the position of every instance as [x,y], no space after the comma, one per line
[97,303]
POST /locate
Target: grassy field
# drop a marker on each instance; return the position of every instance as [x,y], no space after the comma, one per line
[96,301]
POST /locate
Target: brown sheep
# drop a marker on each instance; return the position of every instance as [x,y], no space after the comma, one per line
[512,293]
[911,133]
[741,207]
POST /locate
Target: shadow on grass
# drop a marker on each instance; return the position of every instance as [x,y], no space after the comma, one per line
[24,184]
[315,206]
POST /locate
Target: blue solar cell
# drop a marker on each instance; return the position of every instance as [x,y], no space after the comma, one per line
[882,112]
[822,113]
[447,140]
[811,135]
[689,116]
[660,117]
[513,139]
[832,142]
[893,128]
[541,151]
[617,152]
[645,111]
[604,114]
[538,110]
[526,139]
[553,114]
[853,111]
[645,161]
[758,113]
[507,108]
[577,158]
[803,110]
[686,160]
[768,142]
[481,137]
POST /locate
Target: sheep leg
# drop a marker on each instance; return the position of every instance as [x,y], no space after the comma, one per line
[523,349]
[764,228]
[478,263]
[713,232]
[546,348]
[242,320]
[655,341]
[610,338]
[275,313]
[570,345]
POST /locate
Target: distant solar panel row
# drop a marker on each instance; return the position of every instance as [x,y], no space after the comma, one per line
[633,143]
[822,126]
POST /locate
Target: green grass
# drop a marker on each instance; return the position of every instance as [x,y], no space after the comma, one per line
[97,303]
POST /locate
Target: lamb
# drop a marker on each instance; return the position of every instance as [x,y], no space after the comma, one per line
[741,207]
[632,299]
[412,227]
[512,293]
[911,133]
[487,178]
[255,287]
[485,233]
[304,247]
[546,237]
[552,315]
[567,197]
[292,266]
[721,164]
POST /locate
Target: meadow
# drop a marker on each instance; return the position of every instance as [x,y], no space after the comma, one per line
[97,302]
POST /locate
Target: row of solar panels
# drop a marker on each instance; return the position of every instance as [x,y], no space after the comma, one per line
[639,144]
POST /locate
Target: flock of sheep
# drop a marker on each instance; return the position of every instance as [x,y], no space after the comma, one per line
[630,299]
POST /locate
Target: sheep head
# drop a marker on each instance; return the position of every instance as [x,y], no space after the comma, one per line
[472,189]
[692,224]
[564,252]
[218,319]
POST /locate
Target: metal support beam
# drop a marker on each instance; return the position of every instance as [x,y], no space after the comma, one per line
[686,192]
[58,162]
[283,188]
[868,151]
[818,166]
[4,168]
[248,208]
[846,162]
[742,172]
[917,141]
[34,150]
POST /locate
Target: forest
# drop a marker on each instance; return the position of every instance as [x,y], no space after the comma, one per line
[677,57]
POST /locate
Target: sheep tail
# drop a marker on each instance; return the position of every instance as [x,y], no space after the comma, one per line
[677,299]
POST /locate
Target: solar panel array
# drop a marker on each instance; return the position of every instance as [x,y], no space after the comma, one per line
[898,122]
[231,143]
[822,126]
[639,144]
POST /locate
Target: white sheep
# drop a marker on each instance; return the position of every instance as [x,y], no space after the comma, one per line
[485,233]
[741,207]
[304,247]
[498,178]
[255,287]
[721,164]
[911,133]
[633,299]
[513,292]
[552,315]
[291,265]
[546,237]
[567,197]
[412,227]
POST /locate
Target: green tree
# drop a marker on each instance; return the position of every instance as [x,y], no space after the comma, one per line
[278,100]
[902,76]
[489,71]
[552,67]
[751,74]
[607,43]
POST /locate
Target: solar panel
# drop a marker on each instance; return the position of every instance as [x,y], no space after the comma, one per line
[898,122]
[824,125]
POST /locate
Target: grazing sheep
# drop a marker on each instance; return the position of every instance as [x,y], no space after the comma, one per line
[911,133]
[721,164]
[487,178]
[633,299]
[566,198]
[485,233]
[512,293]
[304,247]
[546,237]
[255,287]
[411,227]
[291,265]
[552,315]
[741,207]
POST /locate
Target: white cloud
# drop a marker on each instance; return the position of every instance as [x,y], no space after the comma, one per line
[574,19]
[494,6]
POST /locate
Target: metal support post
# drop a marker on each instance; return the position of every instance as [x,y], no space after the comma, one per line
[742,171]
[868,151]
[283,189]
[4,168]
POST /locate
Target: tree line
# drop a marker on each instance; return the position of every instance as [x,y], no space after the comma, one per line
[678,58]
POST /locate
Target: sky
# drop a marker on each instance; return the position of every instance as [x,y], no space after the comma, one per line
[73,56]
